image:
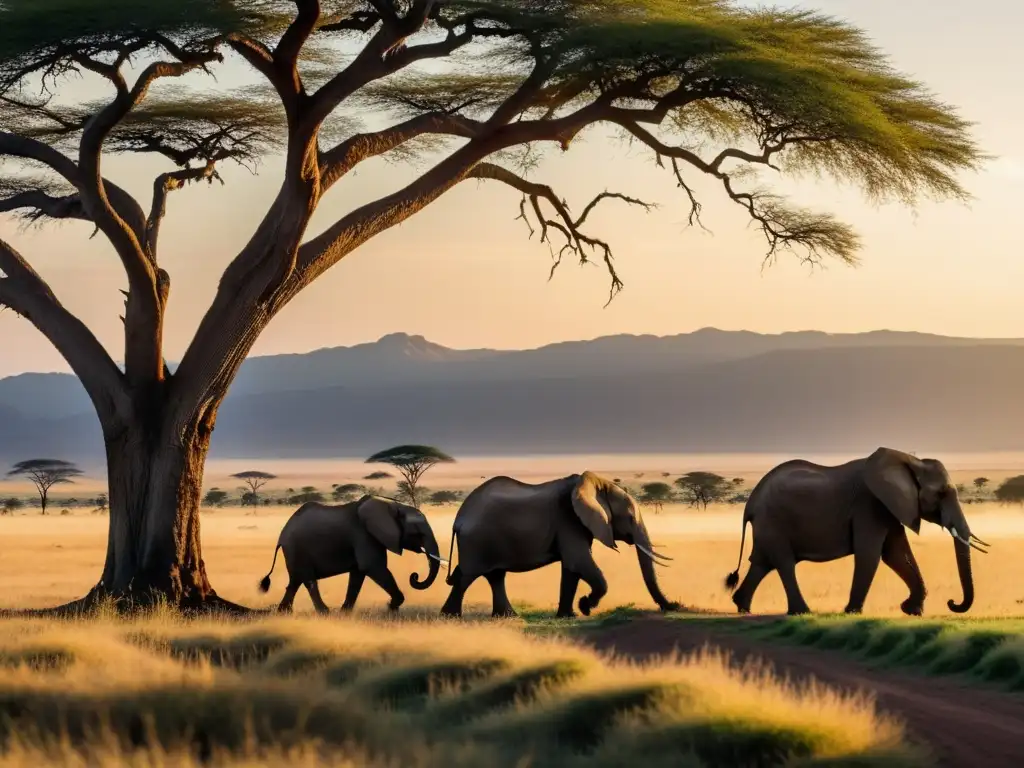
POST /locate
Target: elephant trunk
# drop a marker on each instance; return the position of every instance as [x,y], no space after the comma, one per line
[963,564]
[952,516]
[433,555]
[642,544]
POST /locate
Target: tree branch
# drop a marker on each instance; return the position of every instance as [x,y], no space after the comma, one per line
[341,159]
[42,204]
[576,241]
[143,315]
[164,184]
[25,292]
[782,226]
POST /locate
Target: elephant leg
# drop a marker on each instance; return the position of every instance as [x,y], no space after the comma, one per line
[355,583]
[289,596]
[795,603]
[744,594]
[384,579]
[314,594]
[567,593]
[500,605]
[865,565]
[897,554]
[460,584]
[592,575]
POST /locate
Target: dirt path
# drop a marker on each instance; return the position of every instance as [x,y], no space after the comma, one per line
[964,726]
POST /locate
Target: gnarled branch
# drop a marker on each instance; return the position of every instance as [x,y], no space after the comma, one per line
[783,226]
[25,292]
[576,242]
[341,159]
[164,184]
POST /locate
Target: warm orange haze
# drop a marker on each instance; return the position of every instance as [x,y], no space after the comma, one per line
[505,383]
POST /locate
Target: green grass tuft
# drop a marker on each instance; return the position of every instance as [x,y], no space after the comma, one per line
[989,651]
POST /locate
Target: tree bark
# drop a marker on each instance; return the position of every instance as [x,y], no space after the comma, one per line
[154,551]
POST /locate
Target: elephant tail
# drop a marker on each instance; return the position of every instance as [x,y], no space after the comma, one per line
[733,579]
[265,581]
[451,551]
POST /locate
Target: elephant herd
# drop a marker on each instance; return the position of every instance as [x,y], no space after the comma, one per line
[799,511]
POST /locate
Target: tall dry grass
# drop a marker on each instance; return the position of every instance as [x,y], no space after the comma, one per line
[307,691]
[48,560]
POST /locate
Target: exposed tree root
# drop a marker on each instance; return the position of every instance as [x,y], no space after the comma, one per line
[128,605]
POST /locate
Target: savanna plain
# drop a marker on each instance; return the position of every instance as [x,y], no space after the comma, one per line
[378,689]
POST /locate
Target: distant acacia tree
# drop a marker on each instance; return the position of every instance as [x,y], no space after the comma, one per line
[655,494]
[347,492]
[440,498]
[981,482]
[379,475]
[306,494]
[44,474]
[703,488]
[473,91]
[254,479]
[1011,490]
[11,505]
[411,461]
[215,497]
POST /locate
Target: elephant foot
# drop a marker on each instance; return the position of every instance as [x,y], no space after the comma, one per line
[451,613]
[669,607]
[912,607]
[584,605]
[507,613]
[346,608]
[803,611]
[853,609]
[569,614]
[396,603]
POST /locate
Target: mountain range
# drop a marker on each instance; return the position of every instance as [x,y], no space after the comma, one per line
[706,391]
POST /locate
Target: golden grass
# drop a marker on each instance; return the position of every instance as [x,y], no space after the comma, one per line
[48,560]
[308,691]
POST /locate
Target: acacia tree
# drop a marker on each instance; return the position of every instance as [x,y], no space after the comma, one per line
[44,474]
[411,461]
[254,479]
[479,87]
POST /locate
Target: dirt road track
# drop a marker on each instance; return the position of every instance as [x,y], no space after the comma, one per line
[963,726]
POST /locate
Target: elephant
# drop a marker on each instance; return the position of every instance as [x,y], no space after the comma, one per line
[801,511]
[323,540]
[506,525]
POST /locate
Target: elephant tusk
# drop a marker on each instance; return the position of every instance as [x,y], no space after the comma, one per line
[441,560]
[983,543]
[971,544]
[654,556]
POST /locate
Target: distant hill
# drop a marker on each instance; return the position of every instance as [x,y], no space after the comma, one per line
[710,390]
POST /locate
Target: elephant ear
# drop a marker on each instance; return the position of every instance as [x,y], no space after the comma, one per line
[888,474]
[381,519]
[590,503]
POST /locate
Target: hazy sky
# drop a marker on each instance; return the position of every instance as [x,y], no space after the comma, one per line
[463,272]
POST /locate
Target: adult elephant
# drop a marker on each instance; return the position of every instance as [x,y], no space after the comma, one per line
[506,526]
[801,511]
[322,540]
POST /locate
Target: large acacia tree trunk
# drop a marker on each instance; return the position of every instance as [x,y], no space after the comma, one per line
[154,551]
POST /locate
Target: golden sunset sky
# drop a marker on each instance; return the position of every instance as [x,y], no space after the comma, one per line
[463,273]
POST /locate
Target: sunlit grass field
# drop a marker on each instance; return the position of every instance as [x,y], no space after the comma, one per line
[378,689]
[47,560]
[407,691]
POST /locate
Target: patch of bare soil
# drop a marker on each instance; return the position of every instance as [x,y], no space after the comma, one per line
[962,726]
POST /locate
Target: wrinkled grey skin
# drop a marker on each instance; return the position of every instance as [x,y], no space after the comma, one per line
[802,511]
[321,540]
[506,526]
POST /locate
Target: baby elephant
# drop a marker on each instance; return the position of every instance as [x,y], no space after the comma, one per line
[322,540]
